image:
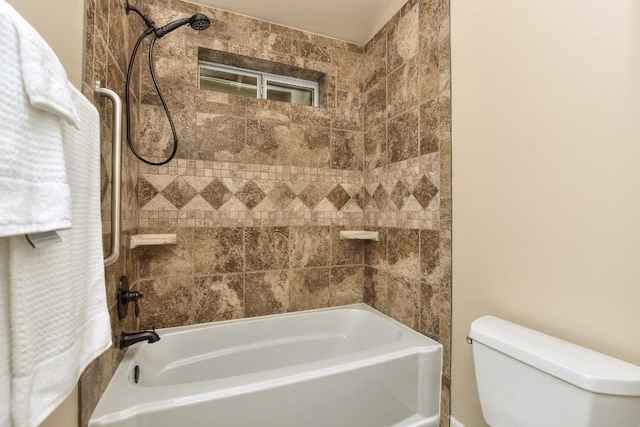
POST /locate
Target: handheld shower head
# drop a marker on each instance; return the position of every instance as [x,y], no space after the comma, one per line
[198,22]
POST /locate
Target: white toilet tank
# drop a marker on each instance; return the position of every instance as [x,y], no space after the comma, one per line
[529,379]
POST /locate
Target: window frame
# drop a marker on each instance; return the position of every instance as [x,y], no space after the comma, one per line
[263,79]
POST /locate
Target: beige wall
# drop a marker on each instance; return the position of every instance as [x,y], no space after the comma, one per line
[61,24]
[546,143]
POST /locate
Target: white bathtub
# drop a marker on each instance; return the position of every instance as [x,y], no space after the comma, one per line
[340,367]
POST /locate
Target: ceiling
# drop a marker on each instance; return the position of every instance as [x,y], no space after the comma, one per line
[355,21]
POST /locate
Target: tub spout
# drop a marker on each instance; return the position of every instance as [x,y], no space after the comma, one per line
[128,338]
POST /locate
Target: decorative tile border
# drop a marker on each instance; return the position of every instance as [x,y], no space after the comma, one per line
[197,193]
[404,194]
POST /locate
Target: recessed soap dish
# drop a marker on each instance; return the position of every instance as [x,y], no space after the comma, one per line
[152,240]
[359,235]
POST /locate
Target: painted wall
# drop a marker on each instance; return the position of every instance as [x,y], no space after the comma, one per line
[546,131]
[61,24]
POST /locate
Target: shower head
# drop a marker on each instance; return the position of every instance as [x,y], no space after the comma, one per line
[198,22]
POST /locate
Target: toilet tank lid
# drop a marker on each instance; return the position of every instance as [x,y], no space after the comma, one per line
[584,368]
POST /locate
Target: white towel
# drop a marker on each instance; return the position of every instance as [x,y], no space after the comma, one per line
[36,103]
[5,338]
[53,309]
[58,307]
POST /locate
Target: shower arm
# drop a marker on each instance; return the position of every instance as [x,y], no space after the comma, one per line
[145,18]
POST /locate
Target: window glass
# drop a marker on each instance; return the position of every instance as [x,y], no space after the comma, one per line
[255,84]
[277,91]
[228,82]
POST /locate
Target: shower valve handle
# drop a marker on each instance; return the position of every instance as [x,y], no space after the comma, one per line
[134,297]
[125,296]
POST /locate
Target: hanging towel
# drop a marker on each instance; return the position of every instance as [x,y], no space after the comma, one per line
[53,305]
[58,307]
[5,337]
[36,104]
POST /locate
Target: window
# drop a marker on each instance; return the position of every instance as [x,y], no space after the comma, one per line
[256,84]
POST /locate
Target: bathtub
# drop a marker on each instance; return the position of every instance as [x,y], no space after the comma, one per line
[340,367]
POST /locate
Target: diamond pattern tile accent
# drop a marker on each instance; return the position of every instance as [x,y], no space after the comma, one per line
[282,195]
[400,194]
[380,197]
[338,196]
[179,192]
[250,194]
[359,199]
[425,191]
[207,193]
[145,192]
[216,193]
[311,195]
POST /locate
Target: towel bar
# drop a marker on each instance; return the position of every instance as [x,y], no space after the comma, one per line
[116,171]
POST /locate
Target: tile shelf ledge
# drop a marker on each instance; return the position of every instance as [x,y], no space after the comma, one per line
[359,235]
[152,240]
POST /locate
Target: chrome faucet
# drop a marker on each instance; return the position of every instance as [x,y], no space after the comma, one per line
[129,338]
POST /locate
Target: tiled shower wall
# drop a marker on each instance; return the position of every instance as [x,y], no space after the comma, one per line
[408,173]
[109,35]
[259,190]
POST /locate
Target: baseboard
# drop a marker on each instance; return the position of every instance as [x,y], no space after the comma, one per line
[455,423]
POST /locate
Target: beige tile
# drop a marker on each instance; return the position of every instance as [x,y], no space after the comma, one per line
[403,141]
[375,147]
[309,247]
[267,248]
[403,252]
[219,137]
[347,150]
[347,285]
[404,300]
[375,63]
[376,104]
[309,289]
[167,260]
[375,253]
[403,39]
[402,89]
[218,250]
[349,69]
[266,293]
[345,252]
[167,302]
[429,251]
[309,146]
[349,111]
[268,142]
[375,288]
[429,127]
[218,298]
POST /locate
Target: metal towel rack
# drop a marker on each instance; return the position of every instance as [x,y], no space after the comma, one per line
[116,171]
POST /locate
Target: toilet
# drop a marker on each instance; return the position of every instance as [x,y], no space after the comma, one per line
[528,379]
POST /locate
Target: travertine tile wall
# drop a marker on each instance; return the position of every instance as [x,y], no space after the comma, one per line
[109,35]
[260,189]
[407,180]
